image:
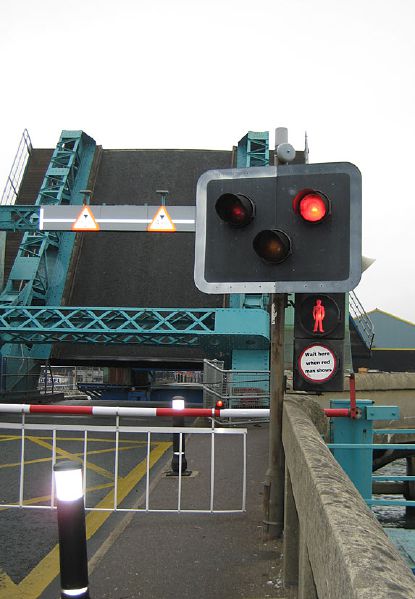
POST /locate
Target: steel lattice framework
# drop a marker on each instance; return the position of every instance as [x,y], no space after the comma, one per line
[19,218]
[163,326]
[30,313]
[31,279]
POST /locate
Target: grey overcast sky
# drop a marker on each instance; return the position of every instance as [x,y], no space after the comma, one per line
[201,73]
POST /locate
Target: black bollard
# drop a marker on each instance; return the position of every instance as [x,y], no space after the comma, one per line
[178,403]
[72,532]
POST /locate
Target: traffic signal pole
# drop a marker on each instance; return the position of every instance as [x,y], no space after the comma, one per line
[275,474]
[292,227]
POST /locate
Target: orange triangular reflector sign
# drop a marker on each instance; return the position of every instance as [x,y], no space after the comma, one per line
[162,222]
[85,221]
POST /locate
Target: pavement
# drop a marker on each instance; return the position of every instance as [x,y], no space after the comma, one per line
[188,556]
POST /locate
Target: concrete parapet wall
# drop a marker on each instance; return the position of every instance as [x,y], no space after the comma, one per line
[342,550]
[383,381]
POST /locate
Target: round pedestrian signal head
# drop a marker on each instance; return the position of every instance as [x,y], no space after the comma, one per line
[235,209]
[312,206]
[273,246]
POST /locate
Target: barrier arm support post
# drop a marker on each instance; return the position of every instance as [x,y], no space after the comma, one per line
[357,463]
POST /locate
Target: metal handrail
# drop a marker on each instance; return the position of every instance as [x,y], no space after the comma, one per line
[363,323]
[388,447]
[14,179]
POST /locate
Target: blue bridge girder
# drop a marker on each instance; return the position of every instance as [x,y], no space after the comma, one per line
[220,328]
[19,218]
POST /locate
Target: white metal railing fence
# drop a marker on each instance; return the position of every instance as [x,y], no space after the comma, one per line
[14,179]
[30,470]
[361,319]
[177,376]
[59,379]
[18,375]
[235,388]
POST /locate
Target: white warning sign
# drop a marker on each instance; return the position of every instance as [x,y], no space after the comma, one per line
[317,363]
[162,222]
[85,221]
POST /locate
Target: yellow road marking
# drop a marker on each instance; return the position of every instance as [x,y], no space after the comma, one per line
[35,500]
[90,439]
[9,437]
[71,456]
[78,454]
[48,568]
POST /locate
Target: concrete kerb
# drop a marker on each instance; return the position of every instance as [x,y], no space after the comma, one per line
[349,553]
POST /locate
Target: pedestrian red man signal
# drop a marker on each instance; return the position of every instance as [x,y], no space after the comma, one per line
[319,314]
[319,329]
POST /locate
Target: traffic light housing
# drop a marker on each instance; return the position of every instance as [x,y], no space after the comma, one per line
[291,228]
[319,329]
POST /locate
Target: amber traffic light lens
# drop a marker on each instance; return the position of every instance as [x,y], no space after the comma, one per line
[272,245]
[312,206]
[236,210]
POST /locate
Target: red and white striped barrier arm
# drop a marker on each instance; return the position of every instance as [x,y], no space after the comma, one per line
[10,408]
[129,411]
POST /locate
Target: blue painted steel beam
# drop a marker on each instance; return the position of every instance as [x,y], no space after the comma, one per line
[33,278]
[19,218]
[222,328]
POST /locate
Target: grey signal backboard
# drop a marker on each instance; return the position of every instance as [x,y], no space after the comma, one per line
[324,257]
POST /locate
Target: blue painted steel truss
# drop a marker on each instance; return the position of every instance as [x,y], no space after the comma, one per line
[19,218]
[221,329]
[253,149]
[29,305]
[31,279]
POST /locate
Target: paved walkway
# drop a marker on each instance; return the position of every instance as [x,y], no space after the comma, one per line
[190,556]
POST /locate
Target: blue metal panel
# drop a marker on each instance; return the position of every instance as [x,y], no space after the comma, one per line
[383,413]
[243,359]
[356,463]
[353,441]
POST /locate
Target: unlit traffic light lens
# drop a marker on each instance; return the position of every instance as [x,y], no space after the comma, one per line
[236,210]
[312,206]
[272,245]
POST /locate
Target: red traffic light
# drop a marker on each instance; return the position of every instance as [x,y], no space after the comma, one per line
[312,206]
[235,209]
[272,245]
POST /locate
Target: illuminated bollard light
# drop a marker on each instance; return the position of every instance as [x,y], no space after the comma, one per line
[72,533]
[178,404]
